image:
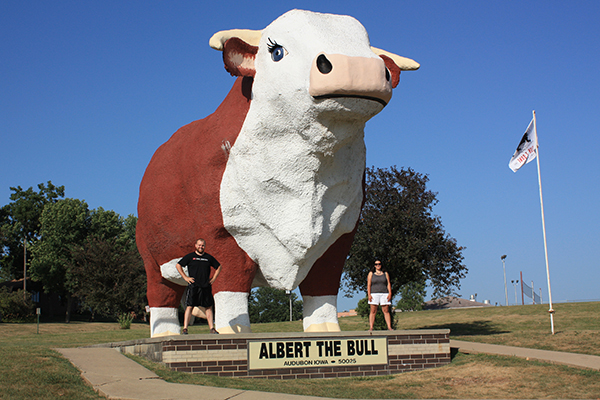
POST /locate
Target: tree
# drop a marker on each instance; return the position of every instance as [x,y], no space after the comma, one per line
[67,258]
[64,226]
[110,275]
[398,227]
[267,304]
[20,223]
[412,296]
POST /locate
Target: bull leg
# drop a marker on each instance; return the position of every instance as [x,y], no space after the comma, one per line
[164,294]
[320,288]
[231,290]
[231,312]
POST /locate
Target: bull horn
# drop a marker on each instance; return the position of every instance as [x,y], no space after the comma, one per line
[217,41]
[405,64]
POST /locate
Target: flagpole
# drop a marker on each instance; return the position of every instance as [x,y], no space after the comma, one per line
[551,310]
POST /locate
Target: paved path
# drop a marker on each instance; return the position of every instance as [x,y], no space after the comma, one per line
[115,376]
[558,357]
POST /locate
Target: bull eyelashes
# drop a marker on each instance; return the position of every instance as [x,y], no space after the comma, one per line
[277,51]
[324,65]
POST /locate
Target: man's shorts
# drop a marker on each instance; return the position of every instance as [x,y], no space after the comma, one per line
[199,297]
[379,299]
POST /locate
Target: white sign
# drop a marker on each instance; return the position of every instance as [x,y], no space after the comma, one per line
[269,354]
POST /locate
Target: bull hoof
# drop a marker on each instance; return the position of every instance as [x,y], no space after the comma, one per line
[164,321]
[323,327]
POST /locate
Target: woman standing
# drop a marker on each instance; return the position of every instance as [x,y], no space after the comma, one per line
[379,291]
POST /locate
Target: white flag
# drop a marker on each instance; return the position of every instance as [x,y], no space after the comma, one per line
[526,150]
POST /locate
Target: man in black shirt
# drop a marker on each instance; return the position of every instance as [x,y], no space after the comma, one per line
[199,293]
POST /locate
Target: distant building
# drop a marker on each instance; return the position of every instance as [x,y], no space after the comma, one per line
[351,313]
[450,302]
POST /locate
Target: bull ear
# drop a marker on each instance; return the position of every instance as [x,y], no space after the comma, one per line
[247,35]
[395,64]
[405,64]
[393,68]
[239,56]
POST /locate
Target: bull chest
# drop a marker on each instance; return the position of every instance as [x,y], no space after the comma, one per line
[286,197]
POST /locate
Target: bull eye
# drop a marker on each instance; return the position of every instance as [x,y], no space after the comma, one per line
[277,51]
[387,75]
[323,64]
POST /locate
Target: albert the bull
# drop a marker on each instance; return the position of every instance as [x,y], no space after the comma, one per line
[273,180]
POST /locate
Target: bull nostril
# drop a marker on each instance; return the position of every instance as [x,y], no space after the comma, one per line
[323,64]
[387,75]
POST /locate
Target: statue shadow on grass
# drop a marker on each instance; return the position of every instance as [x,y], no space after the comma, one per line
[473,328]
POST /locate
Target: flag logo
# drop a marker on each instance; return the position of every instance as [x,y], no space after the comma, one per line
[526,150]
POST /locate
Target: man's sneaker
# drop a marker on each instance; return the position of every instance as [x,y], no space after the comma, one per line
[184,332]
[213,330]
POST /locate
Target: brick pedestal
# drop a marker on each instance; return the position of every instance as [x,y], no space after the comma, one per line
[227,355]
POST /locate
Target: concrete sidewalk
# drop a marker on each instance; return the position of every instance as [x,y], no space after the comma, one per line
[115,376]
[557,357]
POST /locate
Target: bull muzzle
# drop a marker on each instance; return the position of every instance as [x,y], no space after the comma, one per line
[337,75]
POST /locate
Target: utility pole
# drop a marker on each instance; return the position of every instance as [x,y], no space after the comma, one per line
[24,266]
[522,295]
[505,287]
[289,293]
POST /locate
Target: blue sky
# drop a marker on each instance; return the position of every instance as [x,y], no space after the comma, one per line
[89,90]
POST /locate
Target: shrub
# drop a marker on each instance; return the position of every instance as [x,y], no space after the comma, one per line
[364,309]
[125,320]
[15,307]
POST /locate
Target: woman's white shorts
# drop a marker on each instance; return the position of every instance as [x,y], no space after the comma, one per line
[379,299]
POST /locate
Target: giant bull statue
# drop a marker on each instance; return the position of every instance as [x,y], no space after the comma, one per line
[273,179]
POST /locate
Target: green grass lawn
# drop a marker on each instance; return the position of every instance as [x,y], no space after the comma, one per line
[577,326]
[29,368]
